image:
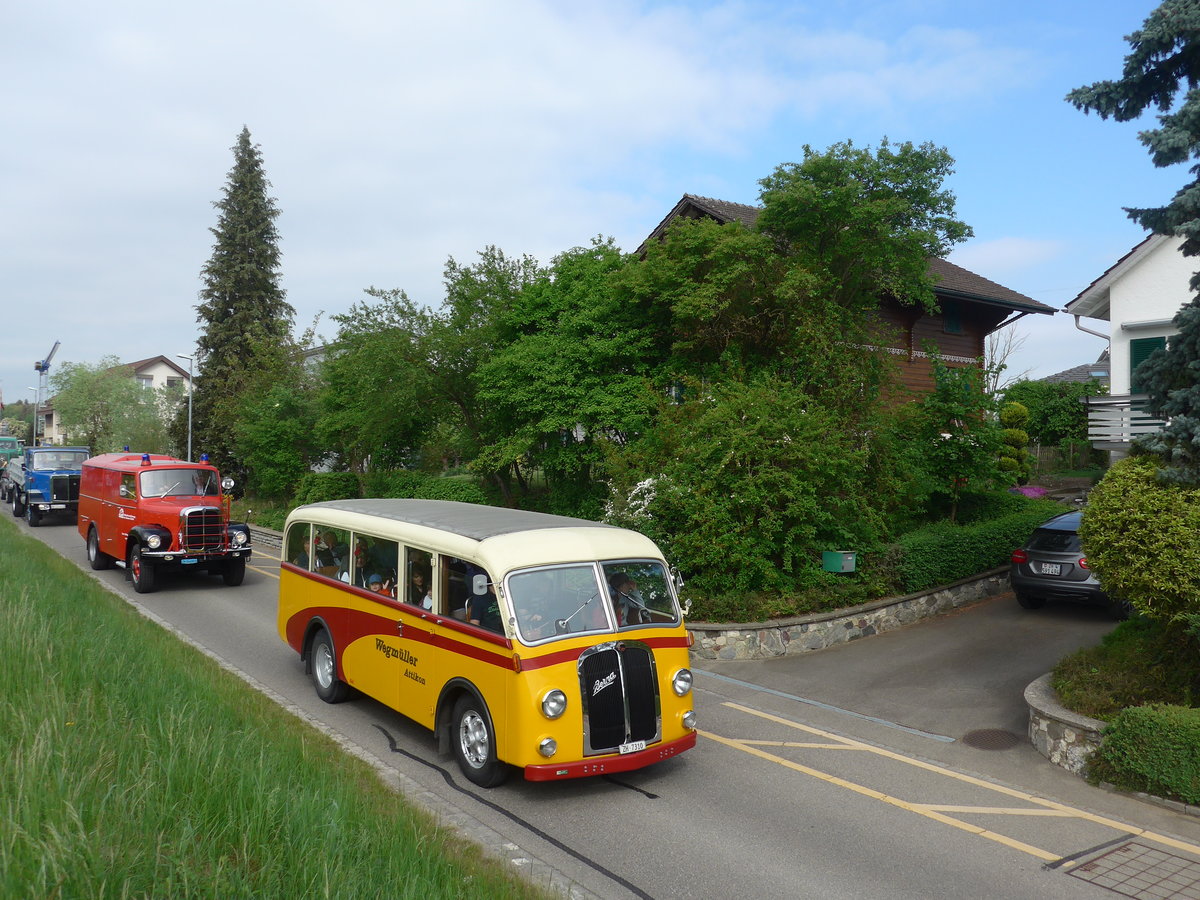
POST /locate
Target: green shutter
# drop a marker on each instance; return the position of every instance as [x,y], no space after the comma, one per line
[1139,350]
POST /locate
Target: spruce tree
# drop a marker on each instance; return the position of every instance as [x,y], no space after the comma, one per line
[1164,62]
[242,310]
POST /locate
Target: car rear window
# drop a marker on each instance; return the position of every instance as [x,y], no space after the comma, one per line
[1054,541]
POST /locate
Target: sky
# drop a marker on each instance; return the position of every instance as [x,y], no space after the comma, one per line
[398,134]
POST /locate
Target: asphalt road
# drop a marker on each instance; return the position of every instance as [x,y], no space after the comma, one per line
[847,773]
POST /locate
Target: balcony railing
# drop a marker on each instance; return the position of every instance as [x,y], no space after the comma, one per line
[1114,421]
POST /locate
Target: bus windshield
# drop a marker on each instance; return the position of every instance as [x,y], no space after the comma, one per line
[591,598]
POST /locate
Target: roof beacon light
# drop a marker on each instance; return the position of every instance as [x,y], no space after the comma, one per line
[145,459]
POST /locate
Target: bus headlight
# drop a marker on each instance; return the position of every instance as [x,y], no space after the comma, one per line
[154,542]
[554,704]
[681,683]
[548,747]
[689,720]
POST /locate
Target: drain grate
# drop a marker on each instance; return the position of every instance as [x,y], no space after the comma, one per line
[1137,870]
[991,739]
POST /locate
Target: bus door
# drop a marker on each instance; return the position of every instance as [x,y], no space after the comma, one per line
[417,628]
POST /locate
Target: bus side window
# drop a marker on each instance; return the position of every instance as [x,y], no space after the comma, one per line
[298,545]
[383,563]
[452,577]
[418,583]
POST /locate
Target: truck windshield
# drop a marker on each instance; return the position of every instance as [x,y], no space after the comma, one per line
[59,459]
[591,597]
[179,483]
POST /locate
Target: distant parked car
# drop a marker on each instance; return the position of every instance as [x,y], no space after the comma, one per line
[1051,566]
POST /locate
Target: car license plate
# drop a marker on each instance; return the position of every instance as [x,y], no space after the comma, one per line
[632,747]
[1051,569]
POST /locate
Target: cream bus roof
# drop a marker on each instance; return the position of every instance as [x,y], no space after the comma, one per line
[511,537]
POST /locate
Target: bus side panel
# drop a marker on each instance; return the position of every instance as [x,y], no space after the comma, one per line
[391,654]
[466,653]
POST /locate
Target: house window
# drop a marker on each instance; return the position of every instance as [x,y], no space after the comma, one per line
[951,317]
[175,382]
[1139,350]
[146,381]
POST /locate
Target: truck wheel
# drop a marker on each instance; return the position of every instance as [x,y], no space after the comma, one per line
[97,558]
[323,667]
[141,571]
[18,508]
[474,742]
[234,571]
[33,516]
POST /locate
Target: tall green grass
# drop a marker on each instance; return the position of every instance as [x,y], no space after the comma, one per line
[132,766]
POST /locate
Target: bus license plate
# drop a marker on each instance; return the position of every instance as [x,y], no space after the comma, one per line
[1051,569]
[632,747]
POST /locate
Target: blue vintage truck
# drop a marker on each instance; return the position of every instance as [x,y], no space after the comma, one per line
[44,481]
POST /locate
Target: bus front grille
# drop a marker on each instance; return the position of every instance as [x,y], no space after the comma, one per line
[202,528]
[619,686]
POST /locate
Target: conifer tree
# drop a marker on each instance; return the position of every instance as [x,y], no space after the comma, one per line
[1162,70]
[242,310]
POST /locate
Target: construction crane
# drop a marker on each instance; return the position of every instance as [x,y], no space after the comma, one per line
[42,367]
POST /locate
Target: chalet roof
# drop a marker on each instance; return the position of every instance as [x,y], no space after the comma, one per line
[143,364]
[1093,300]
[1096,371]
[952,281]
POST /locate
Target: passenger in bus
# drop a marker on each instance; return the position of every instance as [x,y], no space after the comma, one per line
[302,559]
[376,585]
[484,609]
[419,588]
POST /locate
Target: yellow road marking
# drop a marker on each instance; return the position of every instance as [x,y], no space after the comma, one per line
[270,573]
[996,810]
[812,746]
[1051,807]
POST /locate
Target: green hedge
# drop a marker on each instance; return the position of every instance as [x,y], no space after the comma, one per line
[942,553]
[317,487]
[1155,749]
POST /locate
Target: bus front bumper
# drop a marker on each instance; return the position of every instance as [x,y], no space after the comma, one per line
[606,765]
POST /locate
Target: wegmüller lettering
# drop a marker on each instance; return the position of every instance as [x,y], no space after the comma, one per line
[395,652]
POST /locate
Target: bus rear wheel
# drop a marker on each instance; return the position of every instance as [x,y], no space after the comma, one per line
[323,668]
[474,742]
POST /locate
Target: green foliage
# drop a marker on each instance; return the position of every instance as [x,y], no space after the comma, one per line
[1140,537]
[1171,379]
[1015,437]
[1056,410]
[1141,661]
[275,438]
[946,552]
[17,427]
[242,307]
[317,487]
[957,430]
[1155,749]
[103,407]
[1015,415]
[406,483]
[450,489]
[746,487]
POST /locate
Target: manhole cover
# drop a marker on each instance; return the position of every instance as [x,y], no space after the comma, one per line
[991,739]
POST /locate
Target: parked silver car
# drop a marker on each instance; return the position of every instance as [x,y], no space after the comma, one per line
[1051,566]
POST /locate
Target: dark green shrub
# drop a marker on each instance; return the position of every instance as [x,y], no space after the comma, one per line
[1155,749]
[945,552]
[450,489]
[393,483]
[1140,537]
[317,487]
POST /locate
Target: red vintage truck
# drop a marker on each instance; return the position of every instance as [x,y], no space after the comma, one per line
[150,512]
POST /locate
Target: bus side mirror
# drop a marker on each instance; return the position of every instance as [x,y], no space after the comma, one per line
[479,585]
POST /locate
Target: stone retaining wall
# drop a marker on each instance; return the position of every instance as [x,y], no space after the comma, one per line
[799,634]
[1065,738]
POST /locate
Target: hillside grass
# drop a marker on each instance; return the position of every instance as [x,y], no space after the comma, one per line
[131,765]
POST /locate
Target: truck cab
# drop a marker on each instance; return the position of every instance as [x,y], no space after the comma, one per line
[149,513]
[44,481]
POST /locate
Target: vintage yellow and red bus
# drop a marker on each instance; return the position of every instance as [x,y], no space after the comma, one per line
[551,644]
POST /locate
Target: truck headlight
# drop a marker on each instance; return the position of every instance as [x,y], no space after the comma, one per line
[154,542]
[554,704]
[681,682]
[240,538]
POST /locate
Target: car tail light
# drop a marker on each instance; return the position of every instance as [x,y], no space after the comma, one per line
[1020,557]
[1083,562]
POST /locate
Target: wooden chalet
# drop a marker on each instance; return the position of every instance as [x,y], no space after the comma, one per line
[970,306]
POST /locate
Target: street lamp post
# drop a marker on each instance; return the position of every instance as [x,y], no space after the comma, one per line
[189,359]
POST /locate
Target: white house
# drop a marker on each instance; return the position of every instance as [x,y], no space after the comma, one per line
[1138,296]
[151,374]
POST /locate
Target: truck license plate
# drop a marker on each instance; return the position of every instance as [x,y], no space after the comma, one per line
[1051,569]
[632,747]
[188,562]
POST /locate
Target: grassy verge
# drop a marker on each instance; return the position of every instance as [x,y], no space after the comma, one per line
[1138,663]
[132,766]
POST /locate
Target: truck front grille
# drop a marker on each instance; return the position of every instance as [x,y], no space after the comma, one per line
[64,488]
[619,686]
[201,528]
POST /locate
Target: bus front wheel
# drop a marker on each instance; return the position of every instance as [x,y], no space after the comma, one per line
[323,667]
[474,741]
